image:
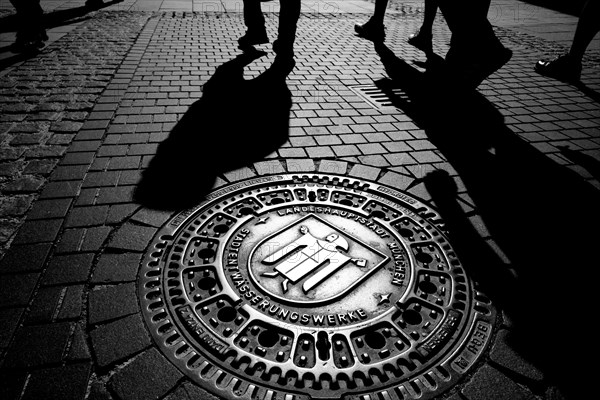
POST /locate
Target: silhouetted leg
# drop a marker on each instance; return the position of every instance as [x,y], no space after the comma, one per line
[475,51]
[587,27]
[288,20]
[255,24]
[422,39]
[373,29]
[31,33]
[568,66]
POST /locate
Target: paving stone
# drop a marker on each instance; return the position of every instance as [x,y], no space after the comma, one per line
[25,258]
[118,213]
[38,345]
[44,305]
[9,320]
[17,289]
[154,218]
[44,209]
[119,340]
[115,268]
[395,180]
[490,384]
[61,189]
[503,354]
[78,349]
[132,237]
[68,382]
[94,238]
[112,302]
[149,376]
[300,165]
[68,269]
[365,172]
[189,391]
[87,216]
[71,305]
[24,184]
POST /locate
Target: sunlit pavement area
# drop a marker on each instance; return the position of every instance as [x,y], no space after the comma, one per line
[81,120]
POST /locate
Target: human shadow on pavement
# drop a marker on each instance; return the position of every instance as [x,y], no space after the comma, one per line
[235,123]
[541,215]
[589,163]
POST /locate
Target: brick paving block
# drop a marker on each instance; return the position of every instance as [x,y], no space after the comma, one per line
[60,189]
[70,240]
[333,167]
[149,376]
[116,268]
[94,238]
[119,340]
[374,160]
[119,212]
[114,195]
[130,177]
[69,173]
[320,152]
[78,350]
[38,345]
[112,302]
[292,153]
[426,156]
[68,269]
[239,174]
[503,354]
[44,305]
[365,172]
[17,289]
[71,304]
[132,237]
[9,320]
[82,158]
[150,217]
[68,382]
[269,167]
[395,180]
[40,167]
[25,258]
[86,216]
[300,165]
[490,384]
[24,184]
[44,209]
[189,391]
[99,179]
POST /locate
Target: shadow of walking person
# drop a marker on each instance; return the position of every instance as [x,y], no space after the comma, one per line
[235,123]
[539,213]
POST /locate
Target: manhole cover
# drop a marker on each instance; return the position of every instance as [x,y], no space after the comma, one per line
[315,286]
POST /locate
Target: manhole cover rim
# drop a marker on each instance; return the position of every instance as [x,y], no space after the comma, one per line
[429,382]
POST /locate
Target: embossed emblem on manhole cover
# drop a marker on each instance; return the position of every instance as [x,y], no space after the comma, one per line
[313,286]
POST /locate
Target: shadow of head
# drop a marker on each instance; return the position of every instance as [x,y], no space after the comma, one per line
[235,123]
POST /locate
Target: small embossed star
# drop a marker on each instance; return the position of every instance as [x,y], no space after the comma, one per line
[262,221]
[384,298]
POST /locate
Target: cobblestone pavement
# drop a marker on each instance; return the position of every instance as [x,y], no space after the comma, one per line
[82,120]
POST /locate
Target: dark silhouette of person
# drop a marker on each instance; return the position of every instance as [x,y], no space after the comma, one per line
[374,28]
[567,67]
[31,33]
[256,33]
[475,51]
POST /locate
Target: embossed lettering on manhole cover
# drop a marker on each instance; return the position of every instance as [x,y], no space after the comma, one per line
[313,286]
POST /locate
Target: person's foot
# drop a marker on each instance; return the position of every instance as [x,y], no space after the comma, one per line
[253,37]
[371,30]
[564,68]
[422,41]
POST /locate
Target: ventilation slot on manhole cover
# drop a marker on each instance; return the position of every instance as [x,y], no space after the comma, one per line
[382,95]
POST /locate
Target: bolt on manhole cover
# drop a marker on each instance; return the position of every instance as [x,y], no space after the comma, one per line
[313,286]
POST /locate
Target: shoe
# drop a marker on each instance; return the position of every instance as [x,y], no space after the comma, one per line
[371,31]
[563,68]
[421,41]
[252,38]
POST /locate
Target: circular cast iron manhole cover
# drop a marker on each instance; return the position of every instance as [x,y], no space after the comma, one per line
[315,286]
